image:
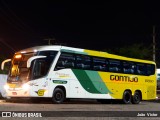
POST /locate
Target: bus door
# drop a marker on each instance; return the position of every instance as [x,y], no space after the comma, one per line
[39,82]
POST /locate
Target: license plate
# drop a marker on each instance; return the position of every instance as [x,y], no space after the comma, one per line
[14,93]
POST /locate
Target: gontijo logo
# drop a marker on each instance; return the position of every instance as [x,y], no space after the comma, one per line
[62,75]
[123,78]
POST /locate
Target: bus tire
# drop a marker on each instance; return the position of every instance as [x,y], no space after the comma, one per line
[127,97]
[58,96]
[136,98]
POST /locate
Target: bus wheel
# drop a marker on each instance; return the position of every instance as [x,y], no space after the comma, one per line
[136,98]
[127,97]
[58,96]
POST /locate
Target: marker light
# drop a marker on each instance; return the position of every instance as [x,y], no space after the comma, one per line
[23,52]
[18,56]
[6,87]
[25,86]
[35,50]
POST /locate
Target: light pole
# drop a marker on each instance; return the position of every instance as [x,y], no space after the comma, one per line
[49,40]
[154,45]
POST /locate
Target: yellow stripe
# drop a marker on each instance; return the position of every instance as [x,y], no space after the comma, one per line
[118,87]
[107,55]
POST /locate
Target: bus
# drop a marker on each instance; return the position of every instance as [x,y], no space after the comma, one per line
[158,79]
[61,72]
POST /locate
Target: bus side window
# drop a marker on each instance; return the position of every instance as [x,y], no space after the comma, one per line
[141,69]
[128,68]
[60,64]
[150,69]
[114,66]
[83,62]
[99,64]
[65,61]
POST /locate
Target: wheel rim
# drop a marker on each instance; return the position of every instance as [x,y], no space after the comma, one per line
[58,96]
[137,98]
[127,98]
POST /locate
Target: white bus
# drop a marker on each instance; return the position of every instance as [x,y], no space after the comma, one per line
[60,72]
[158,79]
[3,81]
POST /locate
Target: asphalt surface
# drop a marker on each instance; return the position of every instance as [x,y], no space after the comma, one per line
[80,109]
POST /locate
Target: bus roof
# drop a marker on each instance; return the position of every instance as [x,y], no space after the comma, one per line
[80,51]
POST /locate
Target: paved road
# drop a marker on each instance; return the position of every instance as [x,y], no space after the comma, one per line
[81,108]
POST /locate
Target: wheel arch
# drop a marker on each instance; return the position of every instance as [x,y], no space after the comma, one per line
[128,90]
[61,87]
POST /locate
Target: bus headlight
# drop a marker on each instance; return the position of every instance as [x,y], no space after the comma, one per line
[6,87]
[25,86]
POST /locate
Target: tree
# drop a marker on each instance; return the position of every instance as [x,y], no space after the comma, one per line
[138,51]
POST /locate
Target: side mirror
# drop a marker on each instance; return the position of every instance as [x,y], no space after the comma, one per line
[3,63]
[29,61]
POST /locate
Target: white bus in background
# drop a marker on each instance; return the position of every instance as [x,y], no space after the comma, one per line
[158,78]
[3,81]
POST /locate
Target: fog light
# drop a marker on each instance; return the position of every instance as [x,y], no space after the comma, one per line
[6,87]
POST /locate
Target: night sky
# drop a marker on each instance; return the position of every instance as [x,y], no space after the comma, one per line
[89,25]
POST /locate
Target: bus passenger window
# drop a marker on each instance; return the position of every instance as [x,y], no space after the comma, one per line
[65,61]
[83,62]
[141,69]
[99,64]
[60,65]
[114,66]
[150,69]
[128,67]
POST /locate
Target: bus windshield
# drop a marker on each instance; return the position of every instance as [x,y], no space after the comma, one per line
[19,70]
[39,67]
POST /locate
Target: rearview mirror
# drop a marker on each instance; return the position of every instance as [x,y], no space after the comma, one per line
[29,61]
[3,63]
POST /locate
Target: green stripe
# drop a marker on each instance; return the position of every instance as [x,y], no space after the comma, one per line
[91,81]
[98,82]
[85,81]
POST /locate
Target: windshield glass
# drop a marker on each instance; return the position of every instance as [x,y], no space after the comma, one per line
[19,71]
